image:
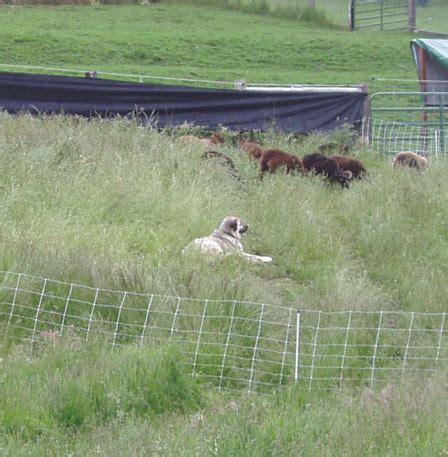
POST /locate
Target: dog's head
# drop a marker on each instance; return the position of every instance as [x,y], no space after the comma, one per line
[233,226]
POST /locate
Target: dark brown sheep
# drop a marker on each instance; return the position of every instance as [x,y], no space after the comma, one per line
[347,163]
[326,166]
[273,159]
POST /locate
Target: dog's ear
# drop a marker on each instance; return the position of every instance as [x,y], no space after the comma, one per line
[234,224]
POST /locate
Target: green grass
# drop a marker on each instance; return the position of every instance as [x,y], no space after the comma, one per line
[187,41]
[111,204]
[73,399]
[433,17]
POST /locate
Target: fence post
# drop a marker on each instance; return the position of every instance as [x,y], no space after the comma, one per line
[312,4]
[442,124]
[381,15]
[351,14]
[296,370]
[411,16]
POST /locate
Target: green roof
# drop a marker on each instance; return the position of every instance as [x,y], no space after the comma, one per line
[437,49]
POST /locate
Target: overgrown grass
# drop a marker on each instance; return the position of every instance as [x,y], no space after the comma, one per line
[111,204]
[84,400]
[75,385]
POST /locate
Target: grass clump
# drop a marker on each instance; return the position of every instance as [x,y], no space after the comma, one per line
[404,418]
[71,386]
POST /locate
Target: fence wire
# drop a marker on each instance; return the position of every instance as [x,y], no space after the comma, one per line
[230,344]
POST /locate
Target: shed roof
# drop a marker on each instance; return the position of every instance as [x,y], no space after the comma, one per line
[436,48]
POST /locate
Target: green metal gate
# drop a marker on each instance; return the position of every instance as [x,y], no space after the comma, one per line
[408,121]
[378,14]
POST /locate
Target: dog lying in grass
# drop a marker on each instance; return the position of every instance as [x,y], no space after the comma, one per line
[225,240]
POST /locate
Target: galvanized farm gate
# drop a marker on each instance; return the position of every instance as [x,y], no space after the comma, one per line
[408,120]
[381,14]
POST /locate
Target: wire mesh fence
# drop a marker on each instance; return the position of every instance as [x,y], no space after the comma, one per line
[229,344]
[391,137]
[408,115]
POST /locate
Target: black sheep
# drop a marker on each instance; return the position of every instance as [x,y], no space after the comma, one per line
[323,165]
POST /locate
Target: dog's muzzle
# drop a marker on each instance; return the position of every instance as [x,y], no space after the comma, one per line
[243,228]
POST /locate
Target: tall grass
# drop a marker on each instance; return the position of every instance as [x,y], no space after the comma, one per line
[111,204]
[84,400]
[72,386]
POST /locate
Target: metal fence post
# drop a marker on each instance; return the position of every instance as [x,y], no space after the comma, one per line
[296,371]
[442,124]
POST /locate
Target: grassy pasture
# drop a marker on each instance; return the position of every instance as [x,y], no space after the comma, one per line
[111,204]
[76,399]
[188,41]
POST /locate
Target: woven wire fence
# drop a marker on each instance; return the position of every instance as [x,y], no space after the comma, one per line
[390,137]
[230,344]
[408,115]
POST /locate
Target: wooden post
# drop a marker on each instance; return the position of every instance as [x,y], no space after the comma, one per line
[312,4]
[351,14]
[411,15]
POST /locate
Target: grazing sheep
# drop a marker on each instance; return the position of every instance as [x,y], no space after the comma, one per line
[351,164]
[223,160]
[217,138]
[192,139]
[328,148]
[255,150]
[410,159]
[323,165]
[273,159]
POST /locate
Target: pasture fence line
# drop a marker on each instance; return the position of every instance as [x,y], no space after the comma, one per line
[229,344]
[381,14]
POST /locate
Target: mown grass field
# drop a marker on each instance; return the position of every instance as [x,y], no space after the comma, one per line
[111,204]
[185,41]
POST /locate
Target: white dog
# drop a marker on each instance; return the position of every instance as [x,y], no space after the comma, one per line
[226,239]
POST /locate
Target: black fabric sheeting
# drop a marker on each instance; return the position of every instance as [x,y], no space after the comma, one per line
[167,105]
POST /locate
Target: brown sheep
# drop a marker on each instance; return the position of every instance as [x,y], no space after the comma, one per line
[192,139]
[410,159]
[328,148]
[255,150]
[273,159]
[323,165]
[217,138]
[351,164]
[224,160]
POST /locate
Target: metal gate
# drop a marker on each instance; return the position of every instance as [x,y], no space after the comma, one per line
[378,14]
[408,121]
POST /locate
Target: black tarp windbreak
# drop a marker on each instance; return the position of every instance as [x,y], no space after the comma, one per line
[166,105]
